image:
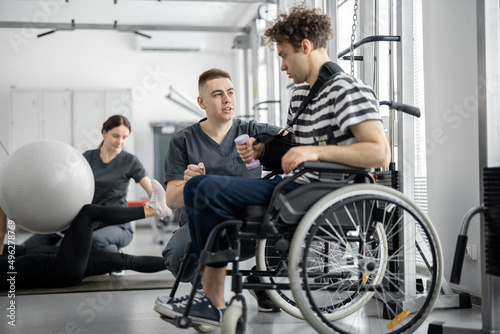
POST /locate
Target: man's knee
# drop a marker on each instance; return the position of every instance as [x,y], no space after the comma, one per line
[173,264]
[192,184]
[172,257]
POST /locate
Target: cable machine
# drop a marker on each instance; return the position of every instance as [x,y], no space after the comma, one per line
[399,175]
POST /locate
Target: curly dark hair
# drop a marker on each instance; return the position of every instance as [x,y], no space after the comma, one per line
[301,23]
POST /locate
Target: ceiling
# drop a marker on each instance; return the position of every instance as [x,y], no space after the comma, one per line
[225,16]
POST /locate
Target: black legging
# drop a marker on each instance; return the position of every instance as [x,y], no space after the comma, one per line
[74,259]
[101,262]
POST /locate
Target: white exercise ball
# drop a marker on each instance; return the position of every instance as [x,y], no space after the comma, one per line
[44,184]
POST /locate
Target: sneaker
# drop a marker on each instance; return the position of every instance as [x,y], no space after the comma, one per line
[200,328]
[161,301]
[169,300]
[264,302]
[158,201]
[202,311]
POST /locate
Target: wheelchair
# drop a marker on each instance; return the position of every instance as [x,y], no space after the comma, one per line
[344,254]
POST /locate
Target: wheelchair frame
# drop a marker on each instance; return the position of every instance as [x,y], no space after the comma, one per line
[296,242]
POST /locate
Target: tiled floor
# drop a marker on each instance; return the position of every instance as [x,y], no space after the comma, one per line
[132,311]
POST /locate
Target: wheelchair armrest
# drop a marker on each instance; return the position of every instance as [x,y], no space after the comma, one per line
[316,166]
[271,174]
[322,166]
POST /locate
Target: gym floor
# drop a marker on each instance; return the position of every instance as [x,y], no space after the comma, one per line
[132,311]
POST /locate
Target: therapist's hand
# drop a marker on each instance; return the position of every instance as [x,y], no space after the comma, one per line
[194,170]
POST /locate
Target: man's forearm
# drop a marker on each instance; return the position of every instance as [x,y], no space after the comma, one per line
[175,195]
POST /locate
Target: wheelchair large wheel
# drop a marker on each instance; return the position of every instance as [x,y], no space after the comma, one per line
[349,219]
[267,259]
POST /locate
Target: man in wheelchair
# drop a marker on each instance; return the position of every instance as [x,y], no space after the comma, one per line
[339,123]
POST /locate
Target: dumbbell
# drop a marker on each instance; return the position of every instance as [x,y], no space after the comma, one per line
[242,139]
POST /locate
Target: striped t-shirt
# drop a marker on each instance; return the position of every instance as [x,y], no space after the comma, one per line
[342,102]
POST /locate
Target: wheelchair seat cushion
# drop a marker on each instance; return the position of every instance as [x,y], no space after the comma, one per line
[294,205]
[253,213]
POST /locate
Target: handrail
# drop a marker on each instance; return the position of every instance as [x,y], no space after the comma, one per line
[370,39]
[406,108]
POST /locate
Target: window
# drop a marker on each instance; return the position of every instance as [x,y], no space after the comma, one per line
[380,72]
[419,101]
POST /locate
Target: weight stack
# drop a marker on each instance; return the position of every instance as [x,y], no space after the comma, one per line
[491,179]
[387,178]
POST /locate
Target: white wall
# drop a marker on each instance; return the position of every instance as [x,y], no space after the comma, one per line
[94,59]
[450,62]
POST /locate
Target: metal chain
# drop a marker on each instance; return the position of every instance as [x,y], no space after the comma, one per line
[353,35]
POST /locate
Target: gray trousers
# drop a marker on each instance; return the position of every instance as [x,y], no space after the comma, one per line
[108,238]
[174,251]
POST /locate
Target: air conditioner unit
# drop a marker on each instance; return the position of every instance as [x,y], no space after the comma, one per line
[171,41]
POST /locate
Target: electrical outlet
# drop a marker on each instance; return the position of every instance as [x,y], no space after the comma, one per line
[471,252]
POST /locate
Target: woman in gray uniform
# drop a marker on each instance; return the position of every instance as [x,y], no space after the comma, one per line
[113,167]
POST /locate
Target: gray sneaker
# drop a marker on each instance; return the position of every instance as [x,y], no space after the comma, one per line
[202,311]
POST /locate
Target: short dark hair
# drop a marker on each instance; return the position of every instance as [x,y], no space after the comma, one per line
[213,73]
[301,23]
[113,122]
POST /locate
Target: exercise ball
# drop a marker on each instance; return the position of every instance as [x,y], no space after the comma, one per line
[44,184]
